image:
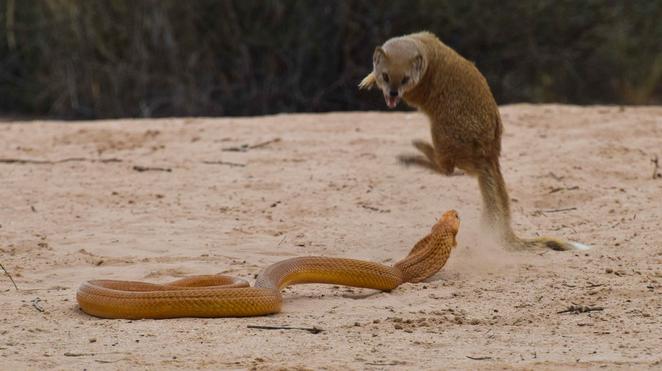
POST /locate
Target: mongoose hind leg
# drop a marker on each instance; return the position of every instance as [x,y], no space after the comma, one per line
[431,159]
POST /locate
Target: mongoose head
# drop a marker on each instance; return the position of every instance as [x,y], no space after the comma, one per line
[398,66]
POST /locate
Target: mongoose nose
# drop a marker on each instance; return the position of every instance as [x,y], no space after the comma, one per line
[393,93]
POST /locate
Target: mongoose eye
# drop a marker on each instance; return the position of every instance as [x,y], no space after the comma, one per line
[385,77]
[405,80]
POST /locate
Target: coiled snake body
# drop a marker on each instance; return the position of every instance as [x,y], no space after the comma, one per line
[224,296]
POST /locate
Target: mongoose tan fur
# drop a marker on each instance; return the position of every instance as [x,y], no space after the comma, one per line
[464,119]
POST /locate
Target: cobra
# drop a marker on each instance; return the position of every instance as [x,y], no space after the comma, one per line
[225,296]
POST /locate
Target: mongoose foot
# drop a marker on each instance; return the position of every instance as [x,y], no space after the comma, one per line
[416,160]
[442,165]
[422,161]
[545,243]
[425,147]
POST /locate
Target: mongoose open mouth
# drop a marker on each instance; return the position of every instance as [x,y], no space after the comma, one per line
[391,102]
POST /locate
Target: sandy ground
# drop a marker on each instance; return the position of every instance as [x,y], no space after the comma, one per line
[331,186]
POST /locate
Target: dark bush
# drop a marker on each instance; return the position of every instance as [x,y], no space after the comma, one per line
[97,59]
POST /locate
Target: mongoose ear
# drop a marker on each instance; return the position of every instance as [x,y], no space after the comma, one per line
[378,55]
[368,82]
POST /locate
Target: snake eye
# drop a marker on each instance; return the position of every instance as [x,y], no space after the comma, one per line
[405,80]
[385,77]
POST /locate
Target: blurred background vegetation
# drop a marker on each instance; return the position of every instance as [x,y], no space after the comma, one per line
[123,58]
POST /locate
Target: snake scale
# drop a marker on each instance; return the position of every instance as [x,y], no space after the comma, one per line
[225,296]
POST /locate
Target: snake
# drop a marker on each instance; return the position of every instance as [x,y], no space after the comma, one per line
[227,296]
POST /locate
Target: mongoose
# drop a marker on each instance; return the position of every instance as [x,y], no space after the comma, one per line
[464,119]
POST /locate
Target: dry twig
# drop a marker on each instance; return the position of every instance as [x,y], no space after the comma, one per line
[48,162]
[576,309]
[559,189]
[107,361]
[35,304]
[233,164]
[656,166]
[72,354]
[246,147]
[312,330]
[394,363]
[372,208]
[10,277]
[147,168]
[559,210]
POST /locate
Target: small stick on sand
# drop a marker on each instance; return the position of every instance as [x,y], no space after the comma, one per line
[233,164]
[48,162]
[312,330]
[35,304]
[394,363]
[10,277]
[147,168]
[559,189]
[576,309]
[559,210]
[72,354]
[246,147]
[275,140]
[656,166]
[479,358]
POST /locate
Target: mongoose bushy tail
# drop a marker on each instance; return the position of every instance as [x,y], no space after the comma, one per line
[464,120]
[496,212]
